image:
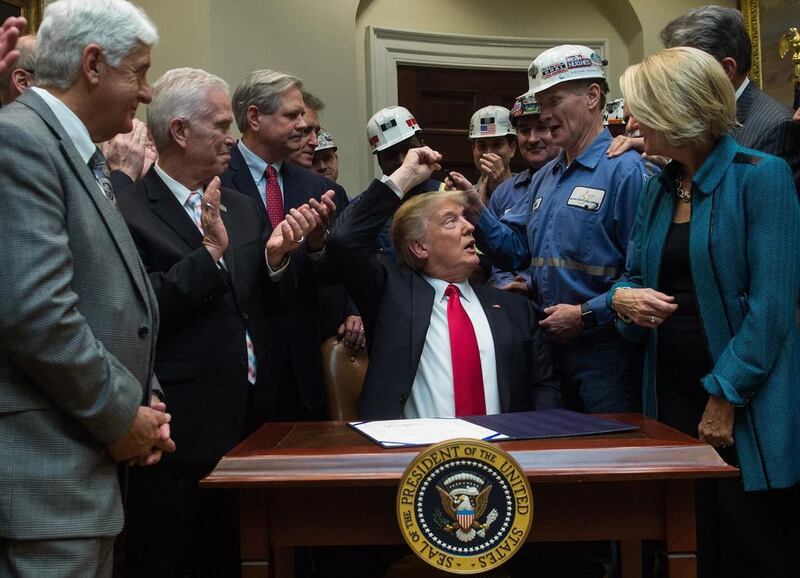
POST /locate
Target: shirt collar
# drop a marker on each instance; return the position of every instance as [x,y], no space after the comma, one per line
[256,164]
[440,285]
[73,126]
[591,156]
[741,88]
[181,192]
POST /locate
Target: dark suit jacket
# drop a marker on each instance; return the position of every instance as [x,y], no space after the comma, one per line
[296,332]
[78,325]
[396,304]
[767,126]
[201,359]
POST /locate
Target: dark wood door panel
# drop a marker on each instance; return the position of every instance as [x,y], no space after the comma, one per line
[443,100]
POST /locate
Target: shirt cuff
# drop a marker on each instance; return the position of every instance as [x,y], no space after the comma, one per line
[390,183]
[276,274]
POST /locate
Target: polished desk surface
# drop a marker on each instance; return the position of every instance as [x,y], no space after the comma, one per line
[333,454]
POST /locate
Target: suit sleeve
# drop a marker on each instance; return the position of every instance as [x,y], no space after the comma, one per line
[42,330]
[351,248]
[783,140]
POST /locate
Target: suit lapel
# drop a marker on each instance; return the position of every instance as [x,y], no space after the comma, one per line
[496,316]
[243,182]
[422,295]
[295,192]
[110,215]
[743,106]
[166,207]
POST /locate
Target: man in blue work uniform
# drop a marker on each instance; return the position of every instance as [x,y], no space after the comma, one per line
[536,146]
[573,230]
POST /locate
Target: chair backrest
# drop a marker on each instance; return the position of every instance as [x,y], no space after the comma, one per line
[344,370]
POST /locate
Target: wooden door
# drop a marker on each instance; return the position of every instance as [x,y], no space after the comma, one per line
[443,100]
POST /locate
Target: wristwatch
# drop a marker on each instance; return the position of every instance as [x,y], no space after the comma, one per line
[587,316]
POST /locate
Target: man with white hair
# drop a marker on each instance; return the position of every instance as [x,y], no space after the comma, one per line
[209,259]
[78,318]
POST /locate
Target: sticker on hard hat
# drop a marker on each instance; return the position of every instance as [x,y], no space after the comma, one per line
[578,61]
[412,122]
[553,70]
[387,125]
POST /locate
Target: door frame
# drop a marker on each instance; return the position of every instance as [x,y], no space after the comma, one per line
[387,48]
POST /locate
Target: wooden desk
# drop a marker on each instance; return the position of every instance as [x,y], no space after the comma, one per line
[321,483]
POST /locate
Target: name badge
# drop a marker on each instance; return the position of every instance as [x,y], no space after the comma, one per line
[537,203]
[586,198]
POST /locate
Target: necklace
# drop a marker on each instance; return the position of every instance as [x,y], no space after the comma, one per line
[684,195]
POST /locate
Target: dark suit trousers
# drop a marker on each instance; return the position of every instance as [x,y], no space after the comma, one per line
[175,529]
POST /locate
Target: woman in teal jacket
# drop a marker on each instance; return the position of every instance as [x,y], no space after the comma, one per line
[712,285]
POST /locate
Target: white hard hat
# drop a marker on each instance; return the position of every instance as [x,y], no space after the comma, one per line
[525,105]
[490,121]
[390,126]
[324,140]
[561,64]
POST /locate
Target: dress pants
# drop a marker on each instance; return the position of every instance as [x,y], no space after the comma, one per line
[68,558]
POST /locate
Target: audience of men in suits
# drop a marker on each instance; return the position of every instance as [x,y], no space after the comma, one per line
[209,260]
[79,316]
[220,249]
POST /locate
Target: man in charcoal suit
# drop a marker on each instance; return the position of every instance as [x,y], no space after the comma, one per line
[268,108]
[439,346]
[78,317]
[210,263]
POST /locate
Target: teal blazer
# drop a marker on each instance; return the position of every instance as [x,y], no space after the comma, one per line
[743,245]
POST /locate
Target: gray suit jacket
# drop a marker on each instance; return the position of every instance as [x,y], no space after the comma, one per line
[767,126]
[78,323]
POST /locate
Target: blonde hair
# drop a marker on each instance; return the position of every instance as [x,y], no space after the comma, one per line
[411,223]
[682,93]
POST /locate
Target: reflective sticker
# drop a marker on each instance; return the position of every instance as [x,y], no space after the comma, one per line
[537,203]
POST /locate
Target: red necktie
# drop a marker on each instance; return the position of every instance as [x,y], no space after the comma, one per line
[274,197]
[467,374]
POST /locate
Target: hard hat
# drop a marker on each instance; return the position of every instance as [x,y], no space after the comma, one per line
[490,121]
[524,105]
[390,126]
[324,140]
[561,64]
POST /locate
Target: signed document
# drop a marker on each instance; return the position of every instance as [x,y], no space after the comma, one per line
[548,423]
[397,433]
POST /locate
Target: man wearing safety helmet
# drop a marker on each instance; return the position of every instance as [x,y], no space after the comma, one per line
[573,230]
[391,133]
[536,146]
[494,144]
[326,160]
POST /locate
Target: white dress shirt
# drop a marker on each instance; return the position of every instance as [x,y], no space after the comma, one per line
[432,392]
[73,126]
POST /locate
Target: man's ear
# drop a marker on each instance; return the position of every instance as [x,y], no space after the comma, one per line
[593,94]
[729,64]
[21,80]
[91,59]
[177,130]
[419,249]
[253,113]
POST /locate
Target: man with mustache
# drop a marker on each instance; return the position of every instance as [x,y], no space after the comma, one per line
[208,257]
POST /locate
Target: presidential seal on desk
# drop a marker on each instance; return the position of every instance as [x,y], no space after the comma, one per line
[464,506]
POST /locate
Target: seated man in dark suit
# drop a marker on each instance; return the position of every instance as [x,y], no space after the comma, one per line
[210,268]
[439,346]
